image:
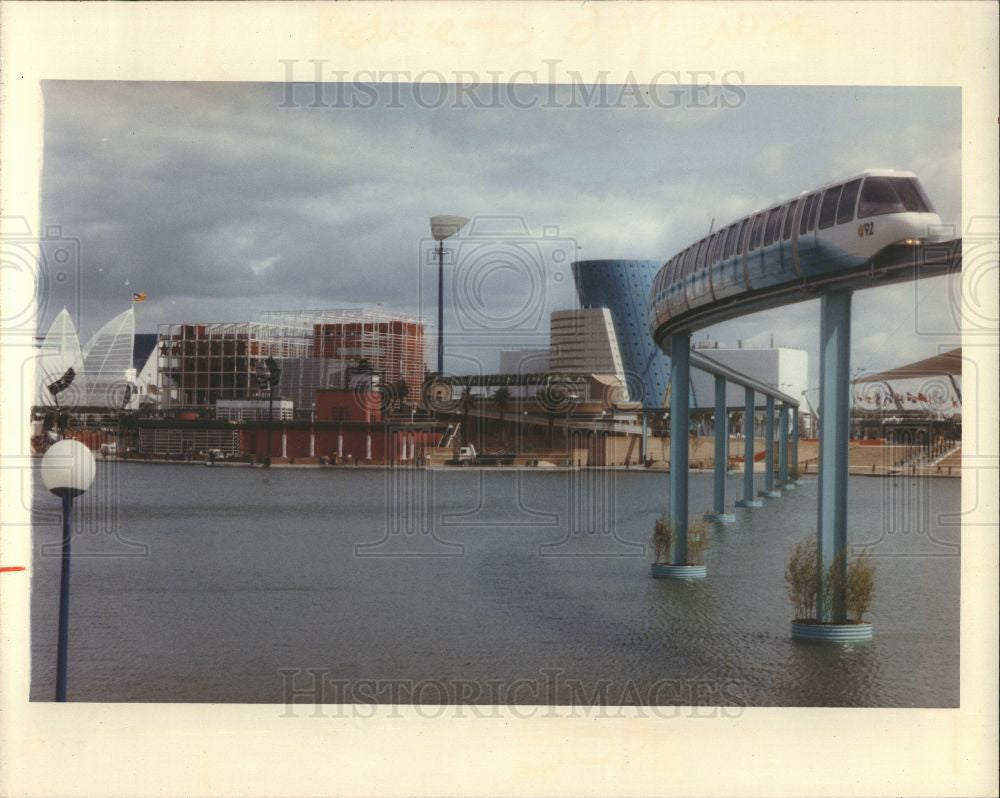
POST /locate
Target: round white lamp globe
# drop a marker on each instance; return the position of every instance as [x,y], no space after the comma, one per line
[68,468]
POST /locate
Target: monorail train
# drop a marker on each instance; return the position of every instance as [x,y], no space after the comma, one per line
[807,240]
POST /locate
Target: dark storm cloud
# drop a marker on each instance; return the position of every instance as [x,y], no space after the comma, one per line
[218,203]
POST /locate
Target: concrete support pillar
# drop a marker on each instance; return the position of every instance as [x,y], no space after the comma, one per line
[312,442]
[340,444]
[749,435]
[795,441]
[644,437]
[783,444]
[834,433]
[721,454]
[368,444]
[769,489]
[680,381]
[284,441]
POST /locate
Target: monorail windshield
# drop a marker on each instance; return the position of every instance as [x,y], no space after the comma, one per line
[881,195]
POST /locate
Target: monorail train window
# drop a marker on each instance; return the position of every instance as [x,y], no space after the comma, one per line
[813,211]
[770,232]
[881,195]
[727,250]
[806,209]
[730,241]
[828,213]
[720,241]
[744,227]
[758,223]
[789,218]
[845,210]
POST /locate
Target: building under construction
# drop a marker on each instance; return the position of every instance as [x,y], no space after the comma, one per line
[201,364]
[389,345]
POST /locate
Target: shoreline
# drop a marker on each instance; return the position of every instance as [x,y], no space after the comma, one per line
[854,472]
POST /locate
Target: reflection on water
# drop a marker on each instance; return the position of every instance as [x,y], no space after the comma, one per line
[479,582]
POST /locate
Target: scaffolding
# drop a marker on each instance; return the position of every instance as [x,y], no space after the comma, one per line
[390,344]
[203,363]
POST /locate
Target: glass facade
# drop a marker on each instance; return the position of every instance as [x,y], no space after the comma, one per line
[624,286]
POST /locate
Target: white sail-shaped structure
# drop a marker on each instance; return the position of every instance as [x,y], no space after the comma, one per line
[107,361]
[60,351]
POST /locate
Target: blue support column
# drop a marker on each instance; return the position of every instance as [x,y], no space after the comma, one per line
[680,379]
[748,499]
[721,454]
[680,385]
[795,445]
[769,490]
[783,445]
[834,435]
[834,432]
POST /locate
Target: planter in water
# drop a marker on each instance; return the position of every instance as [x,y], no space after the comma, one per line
[819,631]
[667,571]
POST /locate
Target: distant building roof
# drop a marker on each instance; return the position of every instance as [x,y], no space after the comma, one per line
[948,363]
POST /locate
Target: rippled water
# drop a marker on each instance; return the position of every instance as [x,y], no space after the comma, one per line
[228,584]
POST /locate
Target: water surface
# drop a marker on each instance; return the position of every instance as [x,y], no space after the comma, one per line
[202,584]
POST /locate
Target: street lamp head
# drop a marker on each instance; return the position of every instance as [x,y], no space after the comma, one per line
[443,227]
[68,468]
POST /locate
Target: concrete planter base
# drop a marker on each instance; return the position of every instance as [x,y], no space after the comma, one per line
[770,494]
[678,571]
[831,632]
[788,486]
[749,503]
[798,482]
[722,518]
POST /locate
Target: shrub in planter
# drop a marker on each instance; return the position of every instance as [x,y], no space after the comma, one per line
[698,540]
[793,473]
[860,586]
[663,539]
[800,578]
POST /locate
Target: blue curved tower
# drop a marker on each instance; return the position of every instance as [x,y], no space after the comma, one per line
[623,287]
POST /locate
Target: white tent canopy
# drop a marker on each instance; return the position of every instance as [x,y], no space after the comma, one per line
[60,352]
[107,361]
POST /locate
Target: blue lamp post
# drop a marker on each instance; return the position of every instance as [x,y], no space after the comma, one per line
[67,471]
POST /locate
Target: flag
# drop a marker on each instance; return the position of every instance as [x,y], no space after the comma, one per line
[139,297]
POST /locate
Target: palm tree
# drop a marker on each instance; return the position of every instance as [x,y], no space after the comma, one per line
[501,398]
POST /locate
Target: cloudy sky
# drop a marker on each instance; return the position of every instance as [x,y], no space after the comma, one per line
[222,200]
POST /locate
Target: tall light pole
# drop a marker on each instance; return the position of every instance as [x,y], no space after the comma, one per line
[443,227]
[67,471]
